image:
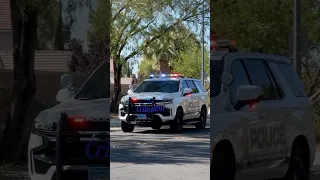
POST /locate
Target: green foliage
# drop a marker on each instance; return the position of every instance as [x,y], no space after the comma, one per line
[148,66]
[189,62]
[262,23]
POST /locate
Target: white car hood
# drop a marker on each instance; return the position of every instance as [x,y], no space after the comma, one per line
[74,107]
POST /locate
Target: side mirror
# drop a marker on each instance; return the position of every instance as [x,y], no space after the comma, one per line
[66,80]
[248,94]
[65,95]
[187,91]
[130,91]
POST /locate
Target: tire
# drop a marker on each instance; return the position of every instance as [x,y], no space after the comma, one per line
[126,127]
[177,123]
[156,126]
[202,119]
[222,165]
[299,165]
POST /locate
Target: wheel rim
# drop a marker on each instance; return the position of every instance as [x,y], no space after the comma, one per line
[179,119]
[203,118]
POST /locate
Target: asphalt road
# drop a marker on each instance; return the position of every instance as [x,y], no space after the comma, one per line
[158,154]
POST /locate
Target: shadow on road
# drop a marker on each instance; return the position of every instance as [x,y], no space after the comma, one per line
[161,146]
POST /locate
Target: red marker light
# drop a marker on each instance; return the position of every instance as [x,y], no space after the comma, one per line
[77,119]
[252,104]
[134,99]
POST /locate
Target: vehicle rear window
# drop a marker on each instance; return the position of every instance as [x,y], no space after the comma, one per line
[199,84]
[292,79]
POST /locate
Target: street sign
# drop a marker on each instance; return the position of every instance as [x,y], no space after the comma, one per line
[303,45]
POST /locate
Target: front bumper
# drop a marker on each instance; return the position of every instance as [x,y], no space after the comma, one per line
[163,117]
[42,157]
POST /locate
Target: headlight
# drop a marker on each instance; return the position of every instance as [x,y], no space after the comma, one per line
[40,124]
[167,100]
[124,100]
[35,141]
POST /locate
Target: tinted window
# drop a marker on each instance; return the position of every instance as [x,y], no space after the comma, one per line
[240,78]
[278,90]
[216,69]
[259,77]
[169,86]
[192,86]
[200,86]
[98,85]
[292,78]
[184,85]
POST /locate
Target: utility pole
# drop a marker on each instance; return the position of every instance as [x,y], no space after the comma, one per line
[202,47]
[297,37]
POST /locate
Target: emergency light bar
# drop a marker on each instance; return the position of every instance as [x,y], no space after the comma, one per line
[166,75]
[223,45]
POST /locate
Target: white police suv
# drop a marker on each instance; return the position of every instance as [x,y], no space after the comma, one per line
[165,99]
[261,120]
[85,131]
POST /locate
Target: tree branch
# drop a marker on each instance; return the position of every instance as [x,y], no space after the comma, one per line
[133,33]
[118,13]
[148,42]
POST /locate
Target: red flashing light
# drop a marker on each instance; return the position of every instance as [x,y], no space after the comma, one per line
[134,99]
[175,75]
[77,119]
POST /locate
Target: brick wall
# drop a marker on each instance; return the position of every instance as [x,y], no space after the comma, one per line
[53,61]
[5,18]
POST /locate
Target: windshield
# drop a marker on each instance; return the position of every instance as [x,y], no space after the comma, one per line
[169,86]
[98,86]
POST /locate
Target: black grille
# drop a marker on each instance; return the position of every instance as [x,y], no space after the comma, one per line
[74,153]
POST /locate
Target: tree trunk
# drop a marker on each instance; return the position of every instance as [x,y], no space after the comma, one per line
[164,65]
[58,30]
[117,85]
[24,28]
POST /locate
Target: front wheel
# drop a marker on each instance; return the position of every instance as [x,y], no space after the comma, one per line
[202,122]
[126,127]
[177,123]
[299,165]
[222,165]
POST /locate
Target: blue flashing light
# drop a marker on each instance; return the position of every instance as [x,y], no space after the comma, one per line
[163,75]
[151,75]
